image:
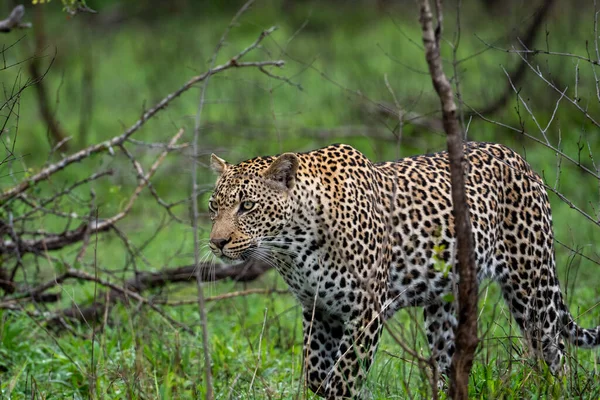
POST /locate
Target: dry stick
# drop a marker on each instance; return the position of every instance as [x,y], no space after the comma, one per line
[125,292]
[531,113]
[400,115]
[538,72]
[243,272]
[93,216]
[86,108]
[466,332]
[561,154]
[140,173]
[57,241]
[259,360]
[81,275]
[229,295]
[92,378]
[84,232]
[197,127]
[407,116]
[115,141]
[536,51]
[39,207]
[535,139]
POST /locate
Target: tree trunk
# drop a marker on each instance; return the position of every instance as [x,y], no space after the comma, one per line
[466,332]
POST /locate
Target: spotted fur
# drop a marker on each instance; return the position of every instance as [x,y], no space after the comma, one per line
[356,241]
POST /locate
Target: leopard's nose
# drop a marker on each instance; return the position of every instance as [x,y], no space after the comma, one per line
[219,242]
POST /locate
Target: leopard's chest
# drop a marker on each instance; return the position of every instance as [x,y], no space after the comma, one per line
[317,277]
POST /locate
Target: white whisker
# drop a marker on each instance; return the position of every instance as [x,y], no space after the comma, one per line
[261,257]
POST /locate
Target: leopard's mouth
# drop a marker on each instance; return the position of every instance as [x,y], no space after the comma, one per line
[249,251]
[241,252]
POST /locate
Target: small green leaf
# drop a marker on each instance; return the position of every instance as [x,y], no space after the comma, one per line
[448,298]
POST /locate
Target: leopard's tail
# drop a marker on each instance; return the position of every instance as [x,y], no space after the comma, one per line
[581,337]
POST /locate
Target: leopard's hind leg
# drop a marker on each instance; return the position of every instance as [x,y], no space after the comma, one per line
[531,292]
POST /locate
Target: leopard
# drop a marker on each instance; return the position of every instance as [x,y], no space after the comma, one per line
[356,241]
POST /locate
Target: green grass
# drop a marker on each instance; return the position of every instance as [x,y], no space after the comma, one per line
[255,341]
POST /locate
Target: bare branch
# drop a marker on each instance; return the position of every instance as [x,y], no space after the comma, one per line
[466,332]
[39,206]
[81,275]
[548,145]
[60,240]
[430,123]
[143,281]
[197,127]
[117,140]
[519,73]
[540,75]
[229,295]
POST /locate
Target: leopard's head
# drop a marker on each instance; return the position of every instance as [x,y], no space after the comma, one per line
[251,204]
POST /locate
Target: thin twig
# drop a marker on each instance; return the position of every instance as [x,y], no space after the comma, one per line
[117,140]
[58,241]
[195,216]
[81,275]
[519,73]
[259,357]
[224,296]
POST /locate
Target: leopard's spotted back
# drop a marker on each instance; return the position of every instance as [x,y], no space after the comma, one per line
[357,241]
[510,211]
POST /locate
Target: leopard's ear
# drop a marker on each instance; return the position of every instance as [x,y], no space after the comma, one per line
[283,170]
[218,164]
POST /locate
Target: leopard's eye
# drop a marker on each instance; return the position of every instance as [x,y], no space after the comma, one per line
[247,205]
[212,206]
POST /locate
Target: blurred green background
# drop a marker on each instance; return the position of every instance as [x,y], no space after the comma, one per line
[105,69]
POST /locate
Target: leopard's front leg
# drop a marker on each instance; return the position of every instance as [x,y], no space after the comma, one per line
[338,353]
[322,336]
